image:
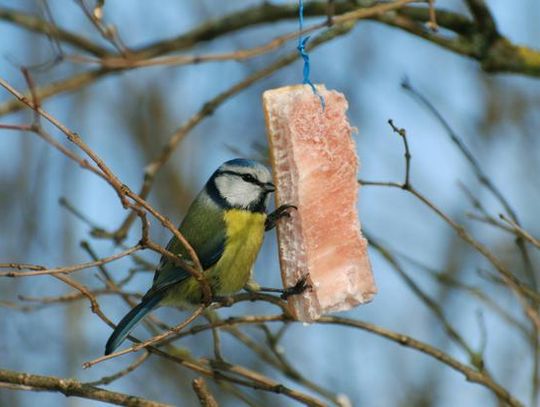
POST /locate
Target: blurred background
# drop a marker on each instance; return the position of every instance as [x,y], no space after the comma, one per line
[128,116]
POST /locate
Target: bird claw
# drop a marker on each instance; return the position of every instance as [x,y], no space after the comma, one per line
[281,212]
[300,286]
[222,300]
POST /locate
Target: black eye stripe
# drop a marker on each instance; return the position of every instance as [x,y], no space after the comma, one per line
[246,177]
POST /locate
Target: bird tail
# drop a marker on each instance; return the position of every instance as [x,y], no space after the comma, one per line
[131,319]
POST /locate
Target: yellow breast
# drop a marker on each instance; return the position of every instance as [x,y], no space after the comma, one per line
[245,233]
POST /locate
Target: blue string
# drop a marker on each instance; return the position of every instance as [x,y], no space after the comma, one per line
[302,51]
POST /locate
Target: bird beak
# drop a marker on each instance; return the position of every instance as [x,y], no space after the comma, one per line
[269,187]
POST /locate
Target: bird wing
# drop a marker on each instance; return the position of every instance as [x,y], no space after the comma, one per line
[204,228]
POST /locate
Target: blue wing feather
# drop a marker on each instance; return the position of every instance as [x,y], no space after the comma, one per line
[126,325]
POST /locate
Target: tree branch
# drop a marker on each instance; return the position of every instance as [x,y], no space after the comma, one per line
[203,394]
[72,388]
[494,52]
[37,270]
[470,374]
[500,56]
[38,25]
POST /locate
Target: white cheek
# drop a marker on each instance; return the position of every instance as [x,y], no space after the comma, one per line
[238,193]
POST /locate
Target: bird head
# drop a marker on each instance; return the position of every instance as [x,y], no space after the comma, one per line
[243,184]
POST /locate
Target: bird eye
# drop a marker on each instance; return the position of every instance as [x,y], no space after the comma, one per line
[248,178]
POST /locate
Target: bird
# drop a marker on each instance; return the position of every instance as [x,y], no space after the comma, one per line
[225,226]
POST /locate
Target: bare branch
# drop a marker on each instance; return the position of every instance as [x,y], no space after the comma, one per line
[483,17]
[430,302]
[107,32]
[480,377]
[121,189]
[516,286]
[41,270]
[71,388]
[203,394]
[72,83]
[36,24]
[152,341]
[470,374]
[521,232]
[480,174]
[502,55]
[109,379]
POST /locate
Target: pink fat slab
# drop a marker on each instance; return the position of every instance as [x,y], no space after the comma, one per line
[315,168]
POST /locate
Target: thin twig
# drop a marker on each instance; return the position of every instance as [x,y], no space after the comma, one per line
[152,341]
[403,134]
[430,302]
[203,394]
[108,33]
[121,189]
[470,374]
[520,231]
[480,174]
[38,270]
[36,24]
[124,372]
[432,23]
[507,277]
[480,377]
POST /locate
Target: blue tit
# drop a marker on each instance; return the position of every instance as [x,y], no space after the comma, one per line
[225,226]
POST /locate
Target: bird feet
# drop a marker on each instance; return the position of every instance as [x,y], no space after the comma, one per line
[281,212]
[300,286]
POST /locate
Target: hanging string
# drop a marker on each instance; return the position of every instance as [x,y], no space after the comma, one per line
[303,53]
